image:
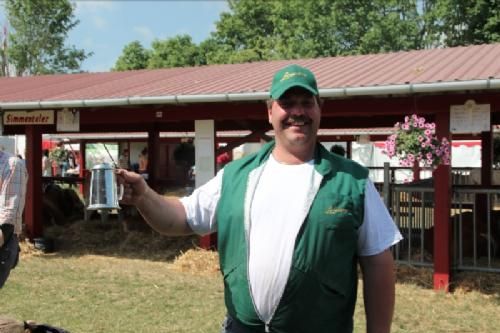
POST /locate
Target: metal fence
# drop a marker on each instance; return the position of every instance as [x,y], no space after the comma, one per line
[474,223]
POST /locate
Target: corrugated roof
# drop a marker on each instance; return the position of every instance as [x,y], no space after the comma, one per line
[459,64]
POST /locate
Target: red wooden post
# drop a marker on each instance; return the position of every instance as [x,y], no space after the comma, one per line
[416,172]
[209,242]
[153,154]
[83,171]
[442,206]
[33,207]
[486,157]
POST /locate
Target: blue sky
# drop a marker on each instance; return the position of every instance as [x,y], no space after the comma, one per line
[107,26]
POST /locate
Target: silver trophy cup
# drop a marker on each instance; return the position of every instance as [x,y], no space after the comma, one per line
[104,191]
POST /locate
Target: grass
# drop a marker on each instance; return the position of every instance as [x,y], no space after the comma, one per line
[105,280]
[105,294]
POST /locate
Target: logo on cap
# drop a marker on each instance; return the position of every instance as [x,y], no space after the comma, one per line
[289,75]
[293,76]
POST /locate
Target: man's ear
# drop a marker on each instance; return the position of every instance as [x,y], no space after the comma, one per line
[321,101]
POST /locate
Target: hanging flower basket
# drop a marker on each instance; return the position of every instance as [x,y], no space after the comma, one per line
[415,141]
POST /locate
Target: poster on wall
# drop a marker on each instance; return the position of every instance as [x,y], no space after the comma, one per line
[68,121]
[470,118]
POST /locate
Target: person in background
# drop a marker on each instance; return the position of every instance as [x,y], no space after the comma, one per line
[13,179]
[124,160]
[143,161]
[338,149]
[222,160]
[71,160]
[60,155]
[46,164]
[293,222]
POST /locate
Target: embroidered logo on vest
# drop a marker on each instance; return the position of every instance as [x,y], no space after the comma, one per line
[335,210]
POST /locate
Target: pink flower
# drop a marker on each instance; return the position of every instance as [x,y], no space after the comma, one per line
[414,140]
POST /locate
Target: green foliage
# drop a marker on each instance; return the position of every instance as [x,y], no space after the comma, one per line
[256,30]
[463,22]
[59,155]
[292,29]
[178,51]
[134,56]
[37,40]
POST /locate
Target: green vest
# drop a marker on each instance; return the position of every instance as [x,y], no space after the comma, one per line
[321,290]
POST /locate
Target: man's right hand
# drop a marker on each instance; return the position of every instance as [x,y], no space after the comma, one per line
[134,187]
[165,215]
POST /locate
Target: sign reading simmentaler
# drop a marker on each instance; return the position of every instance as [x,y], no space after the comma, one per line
[39,117]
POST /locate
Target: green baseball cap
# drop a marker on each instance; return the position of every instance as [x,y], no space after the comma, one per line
[293,76]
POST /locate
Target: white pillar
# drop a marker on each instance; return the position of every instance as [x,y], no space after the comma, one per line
[204,141]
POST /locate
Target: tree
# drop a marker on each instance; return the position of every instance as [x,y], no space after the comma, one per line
[134,56]
[275,29]
[256,30]
[376,26]
[464,22]
[178,51]
[4,66]
[37,40]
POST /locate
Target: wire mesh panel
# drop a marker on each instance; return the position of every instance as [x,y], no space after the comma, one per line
[413,212]
[476,228]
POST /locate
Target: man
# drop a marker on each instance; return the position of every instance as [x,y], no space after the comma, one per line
[13,178]
[124,160]
[293,221]
[60,155]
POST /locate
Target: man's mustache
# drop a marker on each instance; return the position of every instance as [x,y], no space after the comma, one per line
[292,120]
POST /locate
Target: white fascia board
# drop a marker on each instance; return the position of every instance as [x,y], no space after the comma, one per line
[450,86]
[61,104]
[138,100]
[105,102]
[395,89]
[202,98]
[255,96]
[20,105]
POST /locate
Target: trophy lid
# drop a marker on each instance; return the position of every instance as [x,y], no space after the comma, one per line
[102,166]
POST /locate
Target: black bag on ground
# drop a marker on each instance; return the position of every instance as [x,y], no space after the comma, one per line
[44,328]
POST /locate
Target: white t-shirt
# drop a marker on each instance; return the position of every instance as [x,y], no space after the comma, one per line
[276,215]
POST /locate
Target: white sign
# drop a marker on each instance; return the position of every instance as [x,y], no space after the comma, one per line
[39,117]
[68,121]
[470,118]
